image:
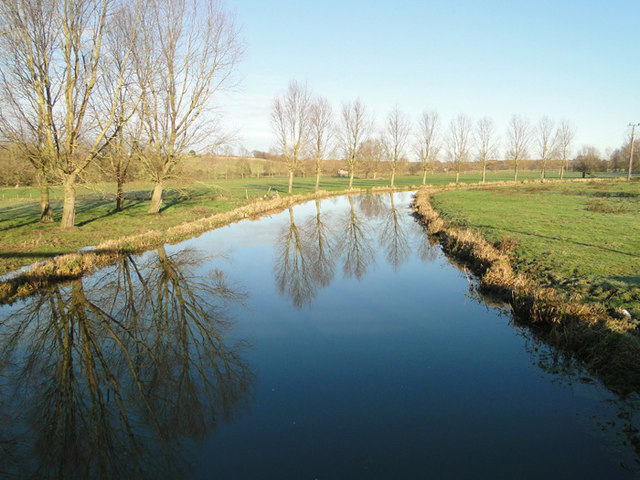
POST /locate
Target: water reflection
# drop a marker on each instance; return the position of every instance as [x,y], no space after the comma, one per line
[111,378]
[308,250]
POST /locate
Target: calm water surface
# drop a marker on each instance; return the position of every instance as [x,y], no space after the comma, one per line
[328,341]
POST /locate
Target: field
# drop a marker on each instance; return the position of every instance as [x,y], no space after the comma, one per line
[580,238]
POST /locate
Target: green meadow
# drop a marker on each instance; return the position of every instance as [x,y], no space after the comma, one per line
[582,238]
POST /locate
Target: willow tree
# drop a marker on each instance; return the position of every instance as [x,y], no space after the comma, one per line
[563,138]
[518,139]
[486,142]
[397,133]
[545,137]
[354,128]
[190,50]
[52,62]
[320,129]
[459,141]
[427,140]
[290,119]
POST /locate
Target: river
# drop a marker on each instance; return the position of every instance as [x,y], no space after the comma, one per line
[331,340]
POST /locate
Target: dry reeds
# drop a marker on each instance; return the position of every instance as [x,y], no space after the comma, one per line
[609,347]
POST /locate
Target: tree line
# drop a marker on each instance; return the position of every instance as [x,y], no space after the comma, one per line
[305,126]
[111,81]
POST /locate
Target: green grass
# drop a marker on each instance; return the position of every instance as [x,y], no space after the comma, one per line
[24,240]
[580,237]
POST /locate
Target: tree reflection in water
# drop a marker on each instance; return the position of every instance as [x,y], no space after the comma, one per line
[113,379]
[394,236]
[355,238]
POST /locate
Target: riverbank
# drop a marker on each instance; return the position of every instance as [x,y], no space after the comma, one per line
[608,346]
[74,265]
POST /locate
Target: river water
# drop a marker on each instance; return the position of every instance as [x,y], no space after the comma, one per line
[331,340]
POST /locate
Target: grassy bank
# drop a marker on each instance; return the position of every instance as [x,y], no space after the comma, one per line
[579,238]
[608,346]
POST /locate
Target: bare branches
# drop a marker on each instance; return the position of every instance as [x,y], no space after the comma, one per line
[320,131]
[459,141]
[290,120]
[563,139]
[396,137]
[518,138]
[486,142]
[427,146]
[354,129]
[544,132]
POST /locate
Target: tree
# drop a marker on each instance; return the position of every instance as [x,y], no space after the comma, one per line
[371,155]
[290,119]
[588,160]
[564,137]
[190,52]
[354,129]
[53,60]
[459,141]
[397,135]
[546,142]
[486,142]
[320,128]
[427,137]
[518,138]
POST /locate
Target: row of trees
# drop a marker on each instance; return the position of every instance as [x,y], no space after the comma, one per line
[304,124]
[116,80]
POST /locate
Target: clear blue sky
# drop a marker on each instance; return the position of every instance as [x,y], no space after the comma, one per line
[565,59]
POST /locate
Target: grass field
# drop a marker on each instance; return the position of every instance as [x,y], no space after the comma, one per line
[579,237]
[25,240]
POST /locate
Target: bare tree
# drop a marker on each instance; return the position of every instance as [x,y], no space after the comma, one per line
[354,129]
[371,155]
[459,141]
[486,142]
[320,128]
[52,57]
[190,53]
[518,137]
[427,147]
[564,136]
[546,140]
[290,119]
[396,137]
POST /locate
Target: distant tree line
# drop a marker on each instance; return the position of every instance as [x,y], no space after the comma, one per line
[352,135]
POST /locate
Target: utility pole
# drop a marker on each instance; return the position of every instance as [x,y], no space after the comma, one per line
[633,130]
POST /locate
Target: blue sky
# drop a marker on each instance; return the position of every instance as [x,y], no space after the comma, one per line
[565,59]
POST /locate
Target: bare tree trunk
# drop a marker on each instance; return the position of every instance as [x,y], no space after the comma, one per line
[542,171]
[156,198]
[351,178]
[120,189]
[515,172]
[317,180]
[484,171]
[290,180]
[562,171]
[120,197]
[46,216]
[69,203]
[424,177]
[393,176]
[457,176]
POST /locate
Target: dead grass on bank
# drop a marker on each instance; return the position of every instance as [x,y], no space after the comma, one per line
[609,347]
